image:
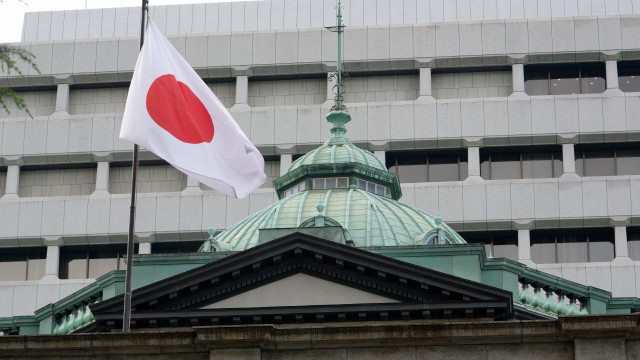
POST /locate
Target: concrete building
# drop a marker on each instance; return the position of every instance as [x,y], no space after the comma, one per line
[517,121]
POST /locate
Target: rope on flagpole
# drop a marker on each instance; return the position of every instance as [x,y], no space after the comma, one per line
[126,314]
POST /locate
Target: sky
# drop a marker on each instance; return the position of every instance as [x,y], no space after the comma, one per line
[12,11]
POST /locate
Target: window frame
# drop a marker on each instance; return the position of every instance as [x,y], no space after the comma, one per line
[582,149]
[521,151]
[582,70]
[461,157]
[63,264]
[559,233]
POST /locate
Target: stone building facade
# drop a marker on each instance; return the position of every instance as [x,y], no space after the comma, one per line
[517,121]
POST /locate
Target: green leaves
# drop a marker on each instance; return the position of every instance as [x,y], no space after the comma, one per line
[9,57]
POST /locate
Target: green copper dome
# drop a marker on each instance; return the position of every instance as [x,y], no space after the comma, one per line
[338,150]
[367,219]
[340,185]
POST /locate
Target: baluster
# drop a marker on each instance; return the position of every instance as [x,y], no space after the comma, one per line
[573,308]
[549,304]
[583,307]
[561,308]
[537,301]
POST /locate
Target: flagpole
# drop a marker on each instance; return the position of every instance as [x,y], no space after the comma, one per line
[126,315]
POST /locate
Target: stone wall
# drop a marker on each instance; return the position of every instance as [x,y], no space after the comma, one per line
[225,91]
[58,182]
[151,179]
[287,92]
[472,85]
[39,103]
[382,88]
[97,101]
[575,337]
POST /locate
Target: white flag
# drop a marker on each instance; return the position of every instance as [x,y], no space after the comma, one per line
[171,112]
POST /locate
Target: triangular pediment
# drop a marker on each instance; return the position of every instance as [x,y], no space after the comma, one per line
[300,290]
[303,278]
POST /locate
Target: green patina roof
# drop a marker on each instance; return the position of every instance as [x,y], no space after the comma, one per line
[338,150]
[369,219]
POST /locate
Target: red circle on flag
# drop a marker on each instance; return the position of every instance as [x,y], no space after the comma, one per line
[176,109]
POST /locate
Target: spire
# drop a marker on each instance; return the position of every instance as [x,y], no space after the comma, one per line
[339,115]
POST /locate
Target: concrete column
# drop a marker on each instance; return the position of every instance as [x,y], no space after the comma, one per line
[144,248]
[192,182]
[193,186]
[622,249]
[517,75]
[52,264]
[524,245]
[473,161]
[612,74]
[62,98]
[242,89]
[285,162]
[425,82]
[568,159]
[13,180]
[102,176]
[331,82]
[381,154]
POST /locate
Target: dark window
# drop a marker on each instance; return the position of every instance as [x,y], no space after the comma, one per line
[562,79]
[496,243]
[633,242]
[572,246]
[22,264]
[90,262]
[414,167]
[608,160]
[497,164]
[629,75]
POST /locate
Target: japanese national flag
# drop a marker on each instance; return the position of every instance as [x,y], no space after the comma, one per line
[171,112]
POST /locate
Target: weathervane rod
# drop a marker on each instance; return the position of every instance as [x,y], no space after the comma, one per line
[339,67]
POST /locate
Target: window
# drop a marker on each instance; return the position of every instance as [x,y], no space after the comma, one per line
[373,188]
[499,244]
[633,243]
[414,167]
[22,264]
[498,164]
[608,160]
[562,79]
[629,75]
[330,183]
[295,189]
[571,246]
[90,262]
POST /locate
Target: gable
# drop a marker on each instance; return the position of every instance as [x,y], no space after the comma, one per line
[299,290]
[302,278]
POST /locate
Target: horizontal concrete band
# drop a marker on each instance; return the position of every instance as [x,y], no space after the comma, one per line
[377,126]
[173,216]
[278,15]
[282,52]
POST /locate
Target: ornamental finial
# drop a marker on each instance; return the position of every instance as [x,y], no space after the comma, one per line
[338,115]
